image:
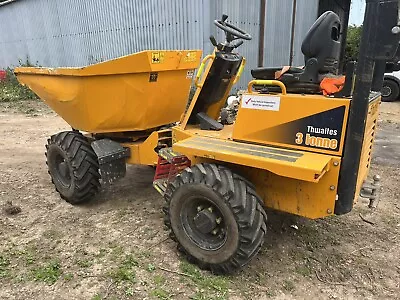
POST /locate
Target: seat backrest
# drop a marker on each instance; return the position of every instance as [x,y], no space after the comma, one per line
[323,42]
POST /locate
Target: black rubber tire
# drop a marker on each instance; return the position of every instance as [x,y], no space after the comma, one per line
[239,204]
[81,179]
[393,89]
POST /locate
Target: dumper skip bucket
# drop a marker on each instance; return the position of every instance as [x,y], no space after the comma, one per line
[137,92]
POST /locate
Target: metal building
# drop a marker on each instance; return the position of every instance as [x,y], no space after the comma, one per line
[74,33]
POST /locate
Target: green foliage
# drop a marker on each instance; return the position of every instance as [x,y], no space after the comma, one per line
[48,273]
[129,292]
[289,285]
[352,43]
[159,279]
[125,271]
[97,297]
[150,268]
[4,266]
[161,294]
[68,277]
[211,287]
[12,90]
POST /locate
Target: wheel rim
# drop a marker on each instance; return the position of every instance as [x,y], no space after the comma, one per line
[61,170]
[386,91]
[204,223]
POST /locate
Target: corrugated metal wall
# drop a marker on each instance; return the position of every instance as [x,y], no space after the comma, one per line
[245,15]
[73,33]
[306,14]
[278,32]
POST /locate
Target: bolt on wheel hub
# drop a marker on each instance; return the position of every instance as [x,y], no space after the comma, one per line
[205,221]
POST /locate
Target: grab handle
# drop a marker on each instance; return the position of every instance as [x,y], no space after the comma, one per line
[239,73]
[266,82]
[201,70]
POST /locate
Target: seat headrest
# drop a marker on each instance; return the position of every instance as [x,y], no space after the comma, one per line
[324,32]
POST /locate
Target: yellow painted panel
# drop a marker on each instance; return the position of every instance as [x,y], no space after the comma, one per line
[142,152]
[293,164]
[311,200]
[131,93]
[369,137]
[279,125]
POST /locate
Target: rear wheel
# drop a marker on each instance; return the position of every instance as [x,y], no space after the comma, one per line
[73,166]
[216,217]
[390,90]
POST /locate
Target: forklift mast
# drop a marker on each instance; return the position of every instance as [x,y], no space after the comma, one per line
[379,43]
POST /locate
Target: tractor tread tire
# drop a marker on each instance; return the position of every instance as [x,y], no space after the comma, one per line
[84,164]
[244,204]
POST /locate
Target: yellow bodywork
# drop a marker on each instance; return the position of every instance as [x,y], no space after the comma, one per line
[288,163]
[271,143]
[214,110]
[279,128]
[292,181]
[143,150]
[263,145]
[132,93]
[369,136]
[307,199]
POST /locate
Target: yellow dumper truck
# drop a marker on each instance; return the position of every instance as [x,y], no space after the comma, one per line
[289,147]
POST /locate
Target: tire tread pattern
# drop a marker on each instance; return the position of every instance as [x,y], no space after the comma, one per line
[84,163]
[244,203]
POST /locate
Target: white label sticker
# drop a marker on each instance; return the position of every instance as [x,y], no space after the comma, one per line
[261,102]
[190,74]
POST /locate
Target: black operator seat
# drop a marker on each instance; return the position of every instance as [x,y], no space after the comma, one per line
[321,49]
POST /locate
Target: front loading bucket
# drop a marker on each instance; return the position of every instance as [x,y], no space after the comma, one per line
[137,92]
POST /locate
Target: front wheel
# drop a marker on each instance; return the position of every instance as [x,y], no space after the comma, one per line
[216,217]
[73,166]
[390,90]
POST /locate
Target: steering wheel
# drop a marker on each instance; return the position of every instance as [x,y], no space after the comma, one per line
[232,32]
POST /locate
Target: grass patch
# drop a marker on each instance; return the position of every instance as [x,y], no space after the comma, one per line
[150,268]
[129,292]
[289,285]
[303,270]
[159,280]
[84,263]
[123,274]
[102,253]
[125,271]
[29,258]
[48,273]
[68,277]
[97,297]
[116,252]
[52,234]
[215,287]
[161,294]
[145,254]
[4,267]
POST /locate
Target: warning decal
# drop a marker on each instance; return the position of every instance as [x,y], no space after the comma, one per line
[157,57]
[190,74]
[261,102]
[190,56]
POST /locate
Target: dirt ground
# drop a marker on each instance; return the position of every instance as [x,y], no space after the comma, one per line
[115,247]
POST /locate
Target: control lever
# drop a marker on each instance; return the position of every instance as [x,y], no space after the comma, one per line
[213,41]
[238,44]
[224,18]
